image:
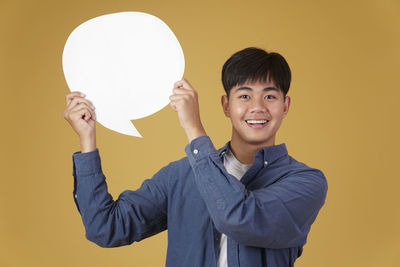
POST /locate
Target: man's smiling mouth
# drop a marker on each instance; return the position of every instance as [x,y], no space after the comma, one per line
[255,122]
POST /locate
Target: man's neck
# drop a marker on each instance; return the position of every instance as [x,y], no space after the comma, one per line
[245,152]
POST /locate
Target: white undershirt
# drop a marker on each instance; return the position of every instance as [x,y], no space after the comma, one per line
[237,169]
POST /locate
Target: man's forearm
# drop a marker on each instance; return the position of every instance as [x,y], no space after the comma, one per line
[194,132]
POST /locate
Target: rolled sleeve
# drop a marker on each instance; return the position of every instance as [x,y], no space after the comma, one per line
[86,163]
[199,149]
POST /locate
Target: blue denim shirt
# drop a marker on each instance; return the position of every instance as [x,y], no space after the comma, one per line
[266,215]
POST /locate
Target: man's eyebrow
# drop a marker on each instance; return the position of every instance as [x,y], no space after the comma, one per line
[269,88]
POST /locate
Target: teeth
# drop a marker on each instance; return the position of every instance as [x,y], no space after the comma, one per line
[256,121]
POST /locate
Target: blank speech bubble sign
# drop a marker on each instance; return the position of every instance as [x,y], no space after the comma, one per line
[126,63]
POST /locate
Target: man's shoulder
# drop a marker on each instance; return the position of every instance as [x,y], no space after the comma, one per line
[293,166]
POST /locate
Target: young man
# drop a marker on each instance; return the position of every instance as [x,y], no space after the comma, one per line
[247,204]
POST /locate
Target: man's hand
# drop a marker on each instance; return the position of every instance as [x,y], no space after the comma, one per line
[184,101]
[80,114]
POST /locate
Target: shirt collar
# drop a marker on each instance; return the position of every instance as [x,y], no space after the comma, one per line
[269,154]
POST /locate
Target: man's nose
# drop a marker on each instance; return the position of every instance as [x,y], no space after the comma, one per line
[258,105]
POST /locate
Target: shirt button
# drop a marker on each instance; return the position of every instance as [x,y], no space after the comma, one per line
[76,196]
[195,151]
[265,163]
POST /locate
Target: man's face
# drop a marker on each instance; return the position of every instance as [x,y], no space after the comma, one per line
[256,111]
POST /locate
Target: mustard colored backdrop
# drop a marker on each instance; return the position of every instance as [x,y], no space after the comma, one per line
[344,120]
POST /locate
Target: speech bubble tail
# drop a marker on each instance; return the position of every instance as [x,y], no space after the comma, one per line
[134,131]
[131,130]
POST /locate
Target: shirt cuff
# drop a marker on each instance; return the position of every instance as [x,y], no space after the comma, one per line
[86,163]
[200,148]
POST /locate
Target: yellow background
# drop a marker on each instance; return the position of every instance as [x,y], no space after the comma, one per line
[344,118]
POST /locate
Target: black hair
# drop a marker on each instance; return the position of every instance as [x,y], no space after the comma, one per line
[256,65]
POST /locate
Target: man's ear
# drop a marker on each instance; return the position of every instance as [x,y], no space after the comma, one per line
[287,106]
[225,105]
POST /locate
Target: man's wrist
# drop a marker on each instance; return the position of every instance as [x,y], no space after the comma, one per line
[88,144]
[194,132]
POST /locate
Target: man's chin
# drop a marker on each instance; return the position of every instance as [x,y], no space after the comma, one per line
[260,141]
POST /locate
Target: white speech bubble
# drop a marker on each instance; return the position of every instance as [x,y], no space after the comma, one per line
[126,63]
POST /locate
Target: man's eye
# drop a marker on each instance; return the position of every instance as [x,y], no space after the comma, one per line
[244,96]
[270,97]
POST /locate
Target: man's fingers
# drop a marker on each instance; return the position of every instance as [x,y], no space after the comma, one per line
[183,84]
[78,109]
[178,84]
[180,91]
[179,97]
[77,100]
[81,105]
[70,96]
[84,114]
[173,106]
[176,101]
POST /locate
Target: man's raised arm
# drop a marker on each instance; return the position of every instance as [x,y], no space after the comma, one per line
[135,214]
